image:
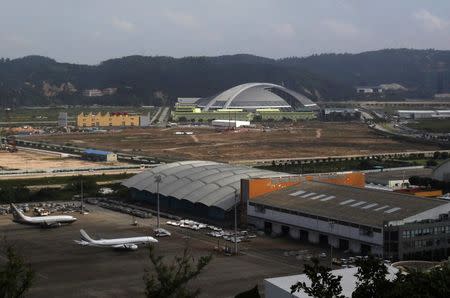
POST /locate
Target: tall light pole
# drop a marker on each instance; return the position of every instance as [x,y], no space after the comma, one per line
[81,197]
[331,245]
[157,180]
[235,222]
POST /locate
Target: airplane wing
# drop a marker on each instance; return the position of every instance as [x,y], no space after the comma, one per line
[125,247]
[84,243]
[52,224]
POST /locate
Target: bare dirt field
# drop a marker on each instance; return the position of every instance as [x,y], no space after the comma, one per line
[307,139]
[32,160]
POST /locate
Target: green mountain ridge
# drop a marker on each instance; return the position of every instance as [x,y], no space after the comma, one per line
[160,79]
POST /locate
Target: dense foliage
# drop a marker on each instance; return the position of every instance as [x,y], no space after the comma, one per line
[252,293]
[373,282]
[323,283]
[430,183]
[170,280]
[371,279]
[90,187]
[160,80]
[149,80]
[418,70]
[16,277]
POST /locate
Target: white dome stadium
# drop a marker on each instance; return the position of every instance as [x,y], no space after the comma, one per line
[252,96]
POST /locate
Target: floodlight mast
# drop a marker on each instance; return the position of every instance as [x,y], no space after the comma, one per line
[158,180]
[235,222]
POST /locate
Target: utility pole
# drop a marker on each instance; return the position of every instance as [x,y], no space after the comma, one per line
[157,180]
[81,197]
[331,245]
[235,222]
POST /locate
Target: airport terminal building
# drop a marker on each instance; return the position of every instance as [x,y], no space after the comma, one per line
[364,221]
[253,96]
[327,209]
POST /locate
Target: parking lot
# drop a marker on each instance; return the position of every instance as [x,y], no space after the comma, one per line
[66,269]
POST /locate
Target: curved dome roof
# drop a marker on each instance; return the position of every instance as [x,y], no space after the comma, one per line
[199,182]
[257,96]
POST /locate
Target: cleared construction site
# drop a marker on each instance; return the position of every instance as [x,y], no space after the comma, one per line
[307,139]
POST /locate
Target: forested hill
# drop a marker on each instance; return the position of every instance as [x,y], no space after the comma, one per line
[424,72]
[36,80]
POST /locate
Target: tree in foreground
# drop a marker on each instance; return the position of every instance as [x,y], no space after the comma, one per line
[16,277]
[416,284]
[170,280]
[323,283]
[372,282]
[252,293]
[371,279]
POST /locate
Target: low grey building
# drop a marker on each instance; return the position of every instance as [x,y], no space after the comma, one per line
[144,120]
[62,119]
[395,179]
[99,155]
[363,221]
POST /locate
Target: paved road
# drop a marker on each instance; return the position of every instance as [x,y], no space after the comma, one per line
[163,117]
[156,115]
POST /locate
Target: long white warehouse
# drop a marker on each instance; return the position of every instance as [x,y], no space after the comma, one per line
[230,123]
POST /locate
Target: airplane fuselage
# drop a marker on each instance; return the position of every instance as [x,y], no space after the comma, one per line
[118,241]
[130,243]
[44,221]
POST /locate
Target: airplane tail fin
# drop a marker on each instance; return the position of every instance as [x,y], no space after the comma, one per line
[85,236]
[17,214]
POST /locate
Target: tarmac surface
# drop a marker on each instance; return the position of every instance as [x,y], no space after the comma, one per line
[67,269]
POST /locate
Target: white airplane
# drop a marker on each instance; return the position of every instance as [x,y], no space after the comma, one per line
[53,221]
[118,243]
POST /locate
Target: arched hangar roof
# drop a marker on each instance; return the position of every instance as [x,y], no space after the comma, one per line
[256,96]
[205,182]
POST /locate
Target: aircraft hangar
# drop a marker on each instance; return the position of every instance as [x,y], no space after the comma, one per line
[203,189]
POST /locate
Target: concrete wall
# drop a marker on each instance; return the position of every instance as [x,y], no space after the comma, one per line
[314,228]
[144,120]
[429,214]
[273,291]
[312,224]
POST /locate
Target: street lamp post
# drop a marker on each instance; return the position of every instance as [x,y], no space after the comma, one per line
[157,180]
[82,197]
[235,222]
[331,245]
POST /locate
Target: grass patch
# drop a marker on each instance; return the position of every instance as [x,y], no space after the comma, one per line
[51,114]
[432,125]
[348,165]
[60,180]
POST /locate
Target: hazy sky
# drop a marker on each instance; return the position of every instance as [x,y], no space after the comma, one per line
[89,31]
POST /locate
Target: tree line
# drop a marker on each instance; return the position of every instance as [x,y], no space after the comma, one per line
[159,80]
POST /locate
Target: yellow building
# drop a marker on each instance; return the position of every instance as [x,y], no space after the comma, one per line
[114,119]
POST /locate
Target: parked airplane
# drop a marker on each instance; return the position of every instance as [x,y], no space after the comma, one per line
[118,243]
[52,221]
